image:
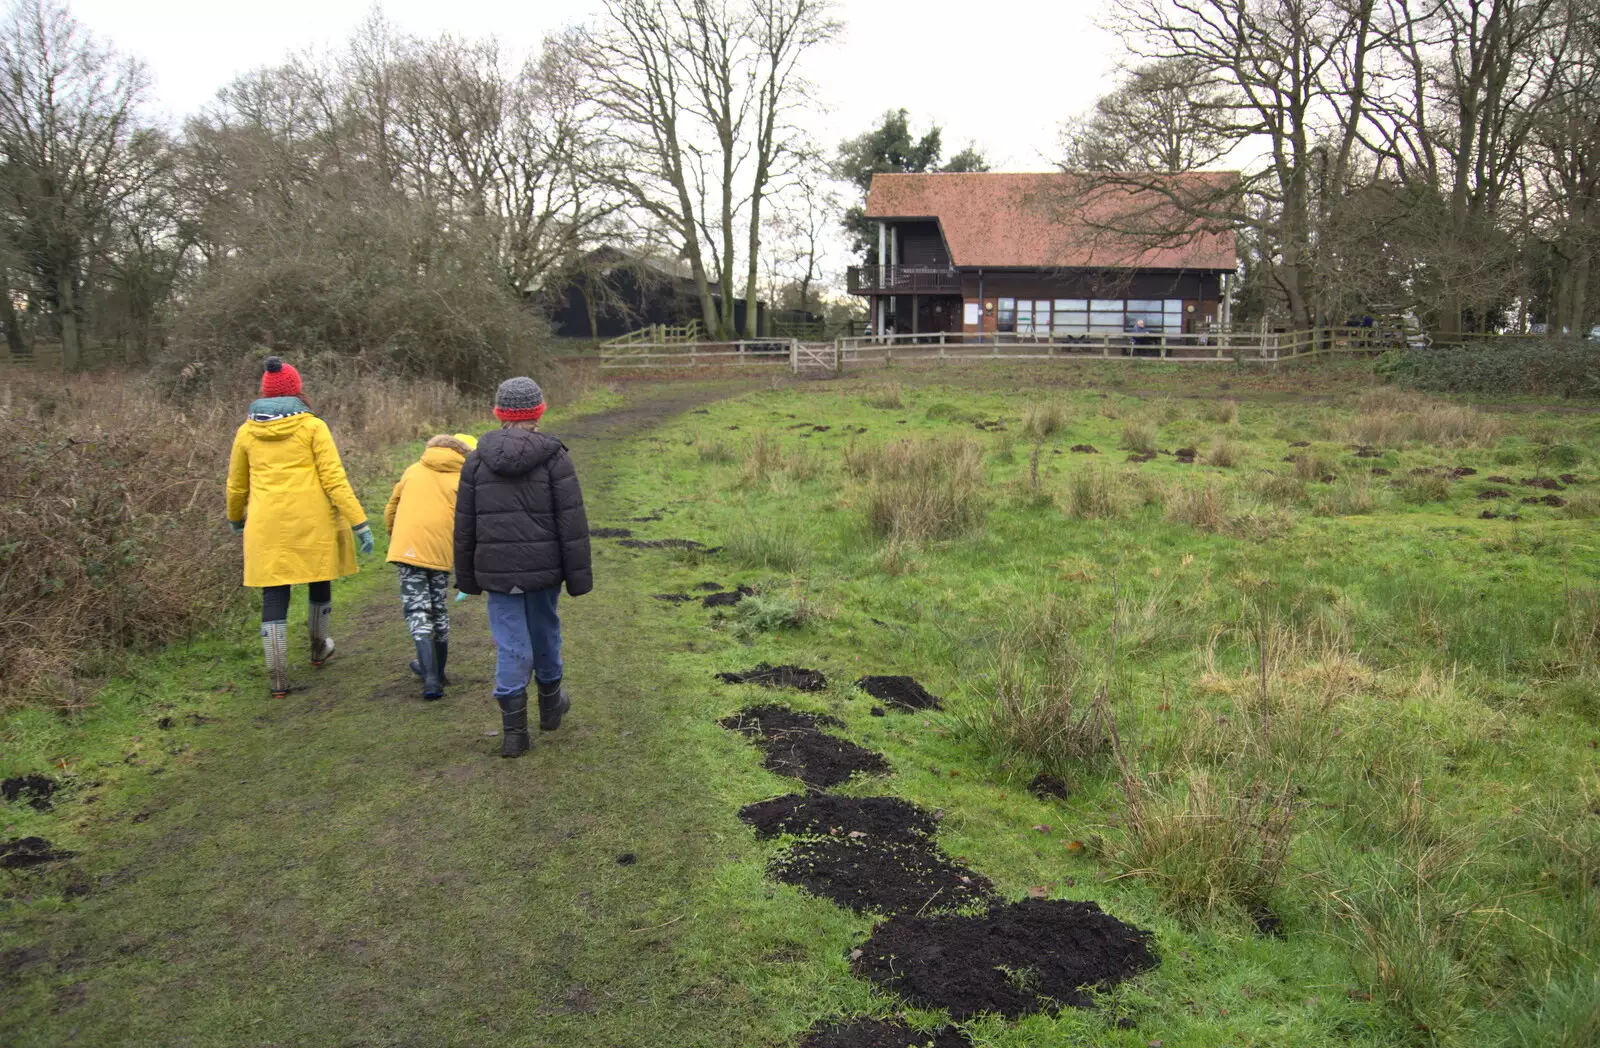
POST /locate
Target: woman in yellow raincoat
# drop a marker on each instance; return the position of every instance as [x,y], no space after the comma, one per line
[289,497]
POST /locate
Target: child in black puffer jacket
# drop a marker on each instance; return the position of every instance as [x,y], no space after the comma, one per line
[520,534]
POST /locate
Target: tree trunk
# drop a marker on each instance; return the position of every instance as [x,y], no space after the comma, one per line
[66,304]
[8,317]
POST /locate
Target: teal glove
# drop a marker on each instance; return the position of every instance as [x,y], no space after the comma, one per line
[364,537]
[237,526]
[460,597]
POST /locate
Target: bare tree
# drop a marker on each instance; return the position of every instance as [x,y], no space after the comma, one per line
[69,150]
[1170,115]
[692,99]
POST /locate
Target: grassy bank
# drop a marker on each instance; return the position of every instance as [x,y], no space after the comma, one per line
[1323,696]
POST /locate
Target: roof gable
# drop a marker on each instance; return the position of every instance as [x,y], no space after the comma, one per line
[1054,220]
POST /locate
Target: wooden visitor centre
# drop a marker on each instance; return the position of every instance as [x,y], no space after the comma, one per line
[1034,257]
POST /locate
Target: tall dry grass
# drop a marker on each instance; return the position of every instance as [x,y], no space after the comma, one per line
[918,490]
[112,528]
[1385,417]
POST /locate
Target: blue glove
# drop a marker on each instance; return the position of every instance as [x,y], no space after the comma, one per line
[460,597]
[364,537]
[237,526]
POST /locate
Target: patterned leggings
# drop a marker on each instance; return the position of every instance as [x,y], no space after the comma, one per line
[422,598]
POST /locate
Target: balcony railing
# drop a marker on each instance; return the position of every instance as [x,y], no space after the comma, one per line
[908,280]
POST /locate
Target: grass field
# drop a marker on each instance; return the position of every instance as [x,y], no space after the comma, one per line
[1327,732]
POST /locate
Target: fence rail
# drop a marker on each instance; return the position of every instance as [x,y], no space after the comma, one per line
[1261,347]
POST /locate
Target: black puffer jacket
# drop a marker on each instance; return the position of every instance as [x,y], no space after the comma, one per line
[520,524]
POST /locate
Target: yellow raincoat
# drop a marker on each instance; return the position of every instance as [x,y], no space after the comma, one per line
[421,515]
[286,481]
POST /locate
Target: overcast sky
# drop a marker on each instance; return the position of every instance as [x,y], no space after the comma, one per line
[1001,73]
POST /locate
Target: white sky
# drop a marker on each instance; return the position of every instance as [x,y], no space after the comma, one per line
[1001,73]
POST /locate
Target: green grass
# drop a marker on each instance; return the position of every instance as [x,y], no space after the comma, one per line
[351,867]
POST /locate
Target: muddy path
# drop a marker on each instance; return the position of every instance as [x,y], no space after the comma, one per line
[353,866]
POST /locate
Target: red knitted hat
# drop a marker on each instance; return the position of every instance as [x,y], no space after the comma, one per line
[279,379]
[533,414]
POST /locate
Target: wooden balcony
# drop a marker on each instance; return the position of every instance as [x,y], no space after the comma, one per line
[904,280]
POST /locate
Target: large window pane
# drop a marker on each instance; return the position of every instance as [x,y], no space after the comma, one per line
[1071,323]
[1077,304]
[1137,305]
[1008,303]
[1106,305]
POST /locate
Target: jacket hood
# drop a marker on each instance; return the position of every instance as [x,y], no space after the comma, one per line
[516,452]
[265,428]
[268,408]
[443,459]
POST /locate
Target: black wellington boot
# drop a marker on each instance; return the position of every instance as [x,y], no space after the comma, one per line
[513,724]
[553,704]
[441,649]
[428,663]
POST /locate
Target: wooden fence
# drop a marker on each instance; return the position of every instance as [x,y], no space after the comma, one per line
[750,352]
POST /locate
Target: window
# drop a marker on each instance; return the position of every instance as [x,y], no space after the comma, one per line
[1071,316]
[1025,317]
[1173,316]
[1005,318]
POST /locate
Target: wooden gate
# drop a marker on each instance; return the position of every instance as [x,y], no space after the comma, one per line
[814,356]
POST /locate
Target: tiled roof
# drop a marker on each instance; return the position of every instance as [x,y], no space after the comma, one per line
[1052,220]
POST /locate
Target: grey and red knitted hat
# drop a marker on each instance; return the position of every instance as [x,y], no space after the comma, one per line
[519,400]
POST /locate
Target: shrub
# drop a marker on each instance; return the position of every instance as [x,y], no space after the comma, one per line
[1092,494]
[765,455]
[923,489]
[1030,725]
[770,612]
[1043,419]
[1139,435]
[1582,505]
[1207,847]
[1005,446]
[887,396]
[1279,490]
[714,451]
[1223,452]
[1556,367]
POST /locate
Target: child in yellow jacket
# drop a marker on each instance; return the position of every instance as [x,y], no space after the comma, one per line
[421,518]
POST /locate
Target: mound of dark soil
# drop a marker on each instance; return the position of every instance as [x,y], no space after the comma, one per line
[1379,471]
[1463,471]
[1365,452]
[661,543]
[771,722]
[674,598]
[991,426]
[1142,456]
[880,1033]
[820,760]
[1029,956]
[1547,483]
[24,852]
[903,692]
[34,789]
[829,815]
[709,587]
[610,533]
[1045,785]
[1299,443]
[1494,493]
[1186,455]
[1499,480]
[1571,478]
[726,598]
[865,874]
[778,677]
[1545,500]
[1085,449]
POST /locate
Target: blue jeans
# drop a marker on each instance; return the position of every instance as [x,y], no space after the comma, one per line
[527,639]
